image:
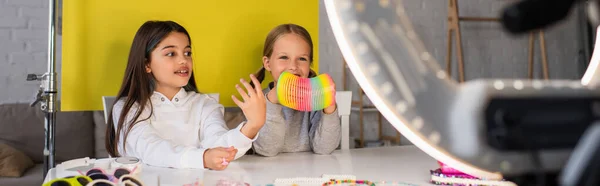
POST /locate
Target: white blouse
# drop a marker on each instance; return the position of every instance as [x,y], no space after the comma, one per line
[179,130]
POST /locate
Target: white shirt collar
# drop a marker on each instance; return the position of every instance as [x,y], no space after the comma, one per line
[159,98]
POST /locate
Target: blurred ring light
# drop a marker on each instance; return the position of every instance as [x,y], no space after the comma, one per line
[590,78]
[399,79]
[444,119]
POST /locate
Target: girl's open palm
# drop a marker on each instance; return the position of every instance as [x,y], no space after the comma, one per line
[253,103]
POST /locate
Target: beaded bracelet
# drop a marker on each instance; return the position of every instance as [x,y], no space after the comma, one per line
[334,182]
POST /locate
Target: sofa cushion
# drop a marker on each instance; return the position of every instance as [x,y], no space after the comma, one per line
[22,127]
[33,176]
[99,134]
[233,117]
[13,163]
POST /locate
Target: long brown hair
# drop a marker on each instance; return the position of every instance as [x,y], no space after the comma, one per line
[275,34]
[138,85]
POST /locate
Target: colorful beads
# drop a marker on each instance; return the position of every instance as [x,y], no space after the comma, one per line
[337,182]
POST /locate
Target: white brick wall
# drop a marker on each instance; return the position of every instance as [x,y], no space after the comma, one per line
[13,22]
[8,11]
[30,12]
[10,46]
[38,23]
[26,3]
[4,34]
[23,45]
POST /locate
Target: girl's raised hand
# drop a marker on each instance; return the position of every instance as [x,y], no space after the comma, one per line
[253,106]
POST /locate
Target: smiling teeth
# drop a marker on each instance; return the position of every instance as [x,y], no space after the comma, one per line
[182,71]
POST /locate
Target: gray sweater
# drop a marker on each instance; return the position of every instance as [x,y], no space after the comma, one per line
[288,130]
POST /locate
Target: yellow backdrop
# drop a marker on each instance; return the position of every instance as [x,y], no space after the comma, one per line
[227,40]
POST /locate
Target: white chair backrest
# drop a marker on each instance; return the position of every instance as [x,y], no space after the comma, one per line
[590,78]
[344,107]
[214,96]
[108,101]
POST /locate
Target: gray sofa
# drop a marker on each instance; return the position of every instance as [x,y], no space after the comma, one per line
[78,134]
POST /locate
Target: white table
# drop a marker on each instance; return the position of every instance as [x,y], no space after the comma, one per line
[405,164]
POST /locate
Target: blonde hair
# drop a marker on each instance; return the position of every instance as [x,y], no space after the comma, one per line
[274,35]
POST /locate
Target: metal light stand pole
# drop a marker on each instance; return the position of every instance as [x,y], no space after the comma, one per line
[46,95]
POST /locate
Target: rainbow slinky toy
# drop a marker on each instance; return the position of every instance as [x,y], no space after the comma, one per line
[305,94]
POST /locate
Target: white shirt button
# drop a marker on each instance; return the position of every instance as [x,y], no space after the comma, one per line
[176,99]
[162,99]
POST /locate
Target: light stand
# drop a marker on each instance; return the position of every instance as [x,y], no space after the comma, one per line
[46,95]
